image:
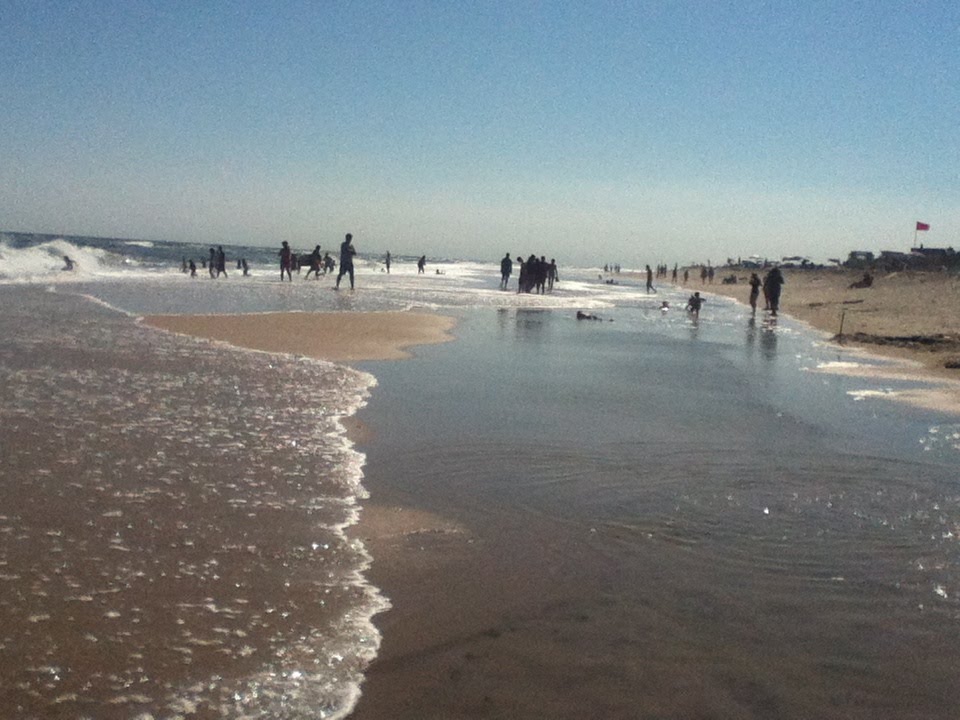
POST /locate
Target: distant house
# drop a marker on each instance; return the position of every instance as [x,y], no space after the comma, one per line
[892,260]
[859,259]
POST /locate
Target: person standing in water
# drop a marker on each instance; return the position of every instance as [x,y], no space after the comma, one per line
[773,285]
[347,251]
[314,260]
[285,261]
[506,268]
[386,262]
[650,288]
[221,261]
[421,264]
[754,291]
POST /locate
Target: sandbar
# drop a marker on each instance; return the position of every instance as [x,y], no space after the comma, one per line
[338,337]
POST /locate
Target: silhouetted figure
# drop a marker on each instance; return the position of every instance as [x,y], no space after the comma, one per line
[244,267]
[212,263]
[285,261]
[347,251]
[694,304]
[650,288]
[193,268]
[314,261]
[864,282]
[221,261]
[533,272]
[386,262]
[506,268]
[183,266]
[552,274]
[773,285]
[421,264]
[755,284]
[68,264]
[543,269]
[329,264]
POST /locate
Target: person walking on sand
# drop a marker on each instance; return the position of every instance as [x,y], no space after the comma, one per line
[773,285]
[347,251]
[506,268]
[650,288]
[755,284]
[285,261]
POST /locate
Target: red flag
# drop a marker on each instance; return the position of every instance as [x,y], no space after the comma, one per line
[922,226]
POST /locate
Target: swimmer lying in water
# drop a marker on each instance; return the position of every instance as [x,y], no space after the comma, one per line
[581,315]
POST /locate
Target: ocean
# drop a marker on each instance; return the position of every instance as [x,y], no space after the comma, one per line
[173,532]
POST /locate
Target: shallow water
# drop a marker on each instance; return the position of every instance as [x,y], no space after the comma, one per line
[171,534]
[788,550]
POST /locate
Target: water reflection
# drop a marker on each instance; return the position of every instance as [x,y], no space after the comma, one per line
[531,323]
[768,340]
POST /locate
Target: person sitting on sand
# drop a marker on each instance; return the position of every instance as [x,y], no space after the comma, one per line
[694,304]
[865,282]
[68,264]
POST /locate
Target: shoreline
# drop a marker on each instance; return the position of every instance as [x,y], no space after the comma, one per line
[904,315]
[904,318]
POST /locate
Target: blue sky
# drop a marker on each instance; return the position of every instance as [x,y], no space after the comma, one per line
[594,132]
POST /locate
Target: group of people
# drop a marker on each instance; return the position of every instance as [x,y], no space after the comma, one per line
[771,286]
[314,262]
[535,274]
[217,264]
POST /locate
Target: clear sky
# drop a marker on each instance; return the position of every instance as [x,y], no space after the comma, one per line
[630,132]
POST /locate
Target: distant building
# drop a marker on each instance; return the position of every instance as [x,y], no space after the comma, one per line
[859,259]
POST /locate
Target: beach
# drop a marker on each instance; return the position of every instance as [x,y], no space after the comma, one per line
[908,315]
[651,516]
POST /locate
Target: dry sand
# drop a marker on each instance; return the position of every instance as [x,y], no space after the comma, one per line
[340,337]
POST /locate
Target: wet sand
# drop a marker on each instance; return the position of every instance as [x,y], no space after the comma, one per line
[340,337]
[907,317]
